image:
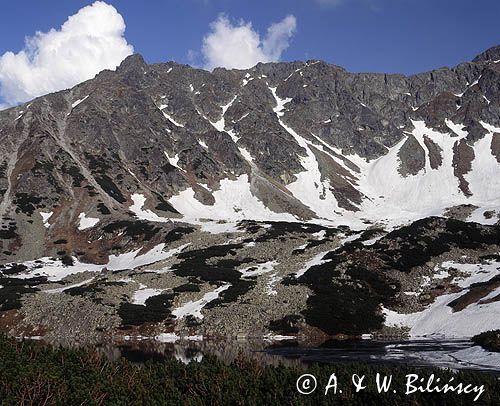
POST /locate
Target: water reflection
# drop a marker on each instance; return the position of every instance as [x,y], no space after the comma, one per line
[189,351]
[455,354]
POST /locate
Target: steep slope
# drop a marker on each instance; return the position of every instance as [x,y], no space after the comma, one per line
[120,170]
[299,140]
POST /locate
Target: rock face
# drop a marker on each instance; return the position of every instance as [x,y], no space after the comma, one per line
[119,164]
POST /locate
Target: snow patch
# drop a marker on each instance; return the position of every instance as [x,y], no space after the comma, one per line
[86,222]
[137,208]
[76,103]
[242,205]
[45,218]
[219,125]
[316,260]
[168,116]
[143,294]
[439,320]
[64,288]
[174,161]
[258,269]
[309,187]
[194,308]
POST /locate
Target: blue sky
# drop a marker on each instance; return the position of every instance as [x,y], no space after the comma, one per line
[404,36]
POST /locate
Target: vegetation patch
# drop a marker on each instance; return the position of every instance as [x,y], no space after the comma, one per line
[91,290]
[134,229]
[46,168]
[8,232]
[187,287]
[12,290]
[280,229]
[168,168]
[177,233]
[103,209]
[346,301]
[99,167]
[196,263]
[33,374]
[74,172]
[12,269]
[156,309]
[348,290]
[27,203]
[286,325]
[110,188]
[489,340]
[430,237]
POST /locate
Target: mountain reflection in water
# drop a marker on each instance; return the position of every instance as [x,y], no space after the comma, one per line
[454,354]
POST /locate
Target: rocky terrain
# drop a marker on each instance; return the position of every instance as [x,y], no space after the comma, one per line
[290,199]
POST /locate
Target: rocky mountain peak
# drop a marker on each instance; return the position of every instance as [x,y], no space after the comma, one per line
[490,55]
[294,141]
[132,62]
[289,198]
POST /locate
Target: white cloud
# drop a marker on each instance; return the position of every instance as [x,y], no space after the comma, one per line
[88,42]
[240,46]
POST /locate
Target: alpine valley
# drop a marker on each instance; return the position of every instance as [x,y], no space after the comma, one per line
[287,200]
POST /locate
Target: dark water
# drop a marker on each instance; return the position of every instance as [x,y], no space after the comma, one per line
[454,354]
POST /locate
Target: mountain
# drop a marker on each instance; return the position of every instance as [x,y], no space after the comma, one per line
[173,189]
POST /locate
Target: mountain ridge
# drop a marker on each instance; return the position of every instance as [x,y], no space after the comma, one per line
[346,118]
[161,199]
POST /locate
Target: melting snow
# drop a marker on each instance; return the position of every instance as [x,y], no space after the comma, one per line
[64,288]
[143,294]
[316,260]
[309,187]
[242,205]
[168,116]
[167,338]
[76,103]
[399,199]
[271,284]
[55,270]
[258,269]
[86,222]
[438,319]
[132,260]
[246,154]
[247,79]
[45,218]
[194,308]
[174,161]
[320,235]
[219,125]
[137,209]
[484,179]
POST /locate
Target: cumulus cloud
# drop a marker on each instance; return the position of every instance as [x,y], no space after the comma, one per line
[240,46]
[88,42]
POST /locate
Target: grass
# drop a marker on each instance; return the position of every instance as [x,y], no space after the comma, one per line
[34,374]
